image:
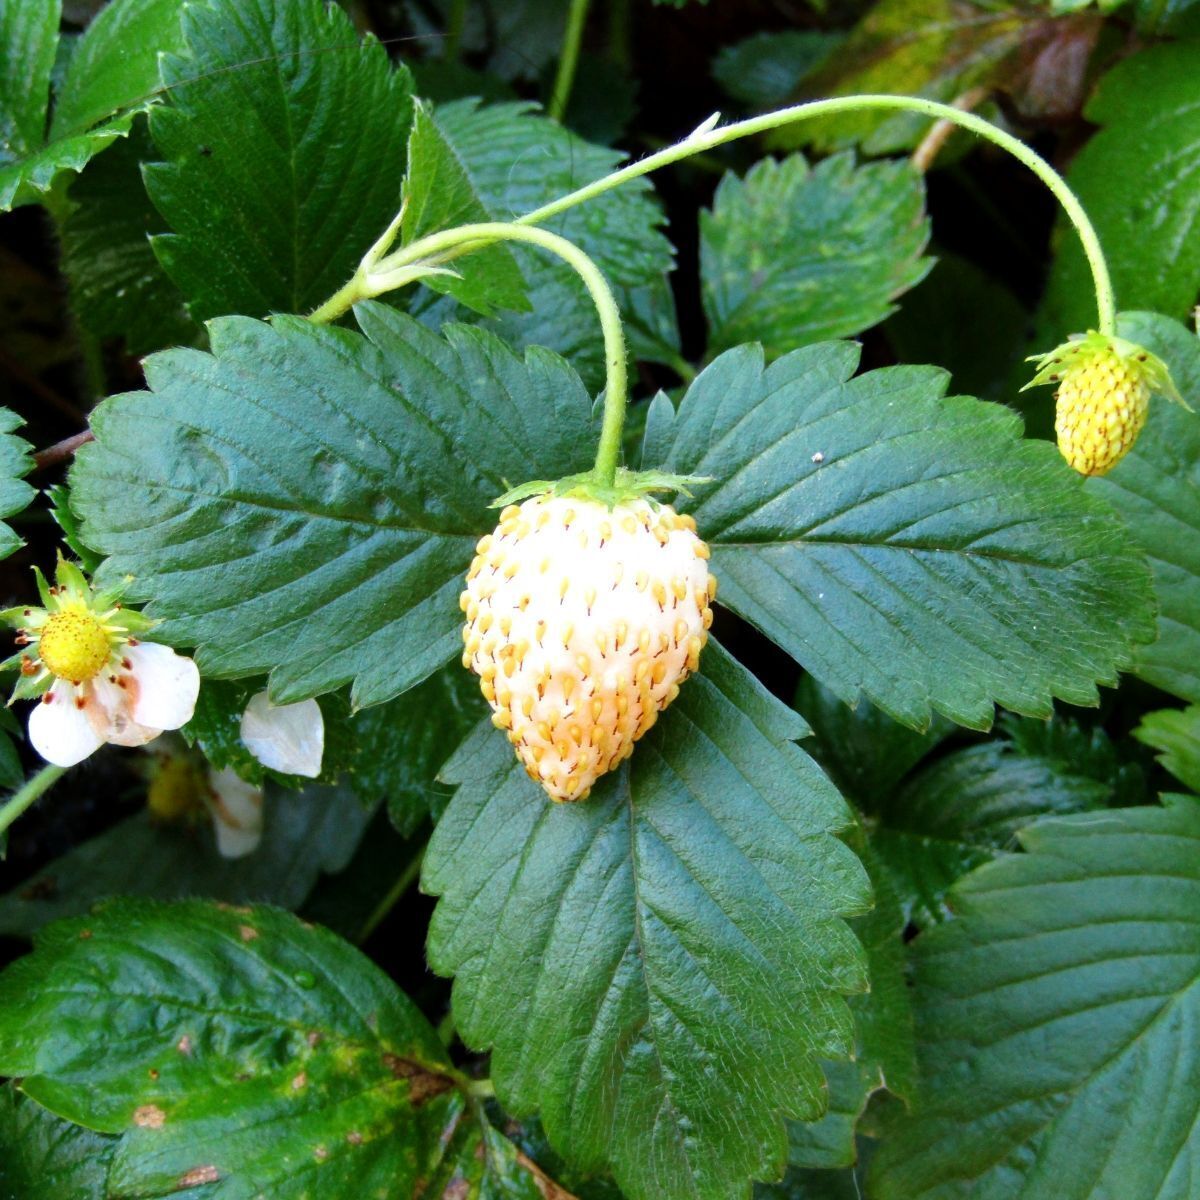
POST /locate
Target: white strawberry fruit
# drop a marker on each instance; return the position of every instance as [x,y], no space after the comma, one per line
[582,622]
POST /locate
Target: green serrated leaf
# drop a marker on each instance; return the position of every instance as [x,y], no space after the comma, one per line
[966,320]
[1156,489]
[1056,1018]
[905,545]
[1176,734]
[305,835]
[348,476]
[242,1048]
[791,255]
[115,62]
[657,969]
[247,1054]
[32,179]
[967,807]
[764,70]
[863,750]
[518,160]
[15,463]
[1136,178]
[439,195]
[47,1158]
[284,151]
[884,1049]
[113,66]
[28,43]
[118,288]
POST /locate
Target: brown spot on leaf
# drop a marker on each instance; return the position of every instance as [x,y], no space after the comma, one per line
[456,1189]
[354,1137]
[149,1116]
[423,1084]
[85,935]
[299,1081]
[153,1073]
[184,1045]
[320,1153]
[313,1038]
[199,1175]
[248,932]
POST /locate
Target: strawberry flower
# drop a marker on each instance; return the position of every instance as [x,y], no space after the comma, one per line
[95,680]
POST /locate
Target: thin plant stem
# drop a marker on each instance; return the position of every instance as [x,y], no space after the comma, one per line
[455,25]
[483,1089]
[405,880]
[27,795]
[568,59]
[378,274]
[407,266]
[55,454]
[708,137]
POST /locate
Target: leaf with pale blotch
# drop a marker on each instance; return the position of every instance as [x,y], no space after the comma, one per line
[793,254]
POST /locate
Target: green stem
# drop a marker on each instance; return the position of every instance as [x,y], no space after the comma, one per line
[455,25]
[341,301]
[483,1089]
[707,139]
[28,794]
[568,59]
[407,266]
[406,879]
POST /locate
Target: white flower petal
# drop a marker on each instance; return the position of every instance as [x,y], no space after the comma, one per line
[285,737]
[237,814]
[167,685]
[62,732]
[110,709]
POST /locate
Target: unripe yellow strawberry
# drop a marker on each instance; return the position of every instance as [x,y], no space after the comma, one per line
[1100,408]
[582,622]
[1104,388]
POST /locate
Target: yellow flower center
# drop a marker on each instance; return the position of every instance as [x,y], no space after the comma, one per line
[74,645]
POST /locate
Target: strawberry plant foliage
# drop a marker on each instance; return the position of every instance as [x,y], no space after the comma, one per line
[274,187]
[880,531]
[112,75]
[1156,489]
[660,1017]
[792,254]
[245,1051]
[517,160]
[1137,177]
[47,1158]
[1057,1016]
[360,525]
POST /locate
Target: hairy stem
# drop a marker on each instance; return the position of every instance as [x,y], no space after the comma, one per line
[407,266]
[32,790]
[706,138]
[568,59]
